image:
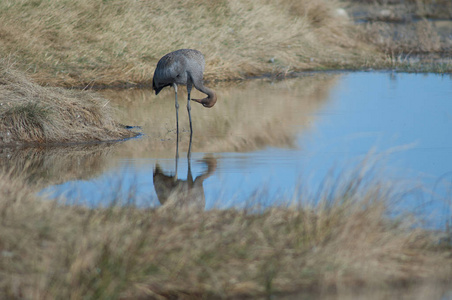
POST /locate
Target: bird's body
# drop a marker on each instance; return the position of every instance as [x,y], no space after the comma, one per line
[179,67]
[183,67]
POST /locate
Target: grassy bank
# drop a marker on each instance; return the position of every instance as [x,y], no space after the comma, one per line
[32,114]
[110,42]
[340,240]
[119,42]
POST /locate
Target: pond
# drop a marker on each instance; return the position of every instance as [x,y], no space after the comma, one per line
[266,140]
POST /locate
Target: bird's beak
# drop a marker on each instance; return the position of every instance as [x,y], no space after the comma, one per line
[197,100]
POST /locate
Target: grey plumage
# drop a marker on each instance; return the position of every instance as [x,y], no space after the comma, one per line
[183,67]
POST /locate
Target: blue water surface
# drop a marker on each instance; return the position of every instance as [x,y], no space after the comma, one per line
[405,120]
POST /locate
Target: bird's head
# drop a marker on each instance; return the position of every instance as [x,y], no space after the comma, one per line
[209,101]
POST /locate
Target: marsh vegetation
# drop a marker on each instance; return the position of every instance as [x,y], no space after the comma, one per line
[103,43]
[415,36]
[341,239]
[32,114]
[348,236]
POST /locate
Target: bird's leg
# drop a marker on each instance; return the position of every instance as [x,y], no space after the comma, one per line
[177,159]
[177,128]
[189,149]
[189,86]
[189,175]
[177,114]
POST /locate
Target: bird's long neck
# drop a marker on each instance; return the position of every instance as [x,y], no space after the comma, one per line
[211,98]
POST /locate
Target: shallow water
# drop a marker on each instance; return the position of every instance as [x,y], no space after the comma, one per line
[267,140]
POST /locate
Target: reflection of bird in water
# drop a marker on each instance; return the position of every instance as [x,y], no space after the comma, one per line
[177,193]
[186,67]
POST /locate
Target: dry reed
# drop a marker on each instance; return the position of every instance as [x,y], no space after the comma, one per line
[335,241]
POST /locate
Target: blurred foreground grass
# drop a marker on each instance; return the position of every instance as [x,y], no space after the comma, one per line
[337,241]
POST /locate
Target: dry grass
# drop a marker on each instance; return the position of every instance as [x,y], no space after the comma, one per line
[399,10]
[339,240]
[30,113]
[414,35]
[414,38]
[108,42]
[98,43]
[396,30]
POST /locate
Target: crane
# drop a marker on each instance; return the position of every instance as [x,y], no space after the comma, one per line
[183,67]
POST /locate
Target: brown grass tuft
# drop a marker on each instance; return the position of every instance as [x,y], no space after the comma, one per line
[30,113]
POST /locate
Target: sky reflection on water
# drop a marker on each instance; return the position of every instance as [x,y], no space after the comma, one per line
[405,118]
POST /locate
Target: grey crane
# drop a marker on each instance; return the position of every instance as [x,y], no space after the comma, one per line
[185,67]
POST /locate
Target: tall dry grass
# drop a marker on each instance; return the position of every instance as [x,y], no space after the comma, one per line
[30,113]
[338,240]
[106,42]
